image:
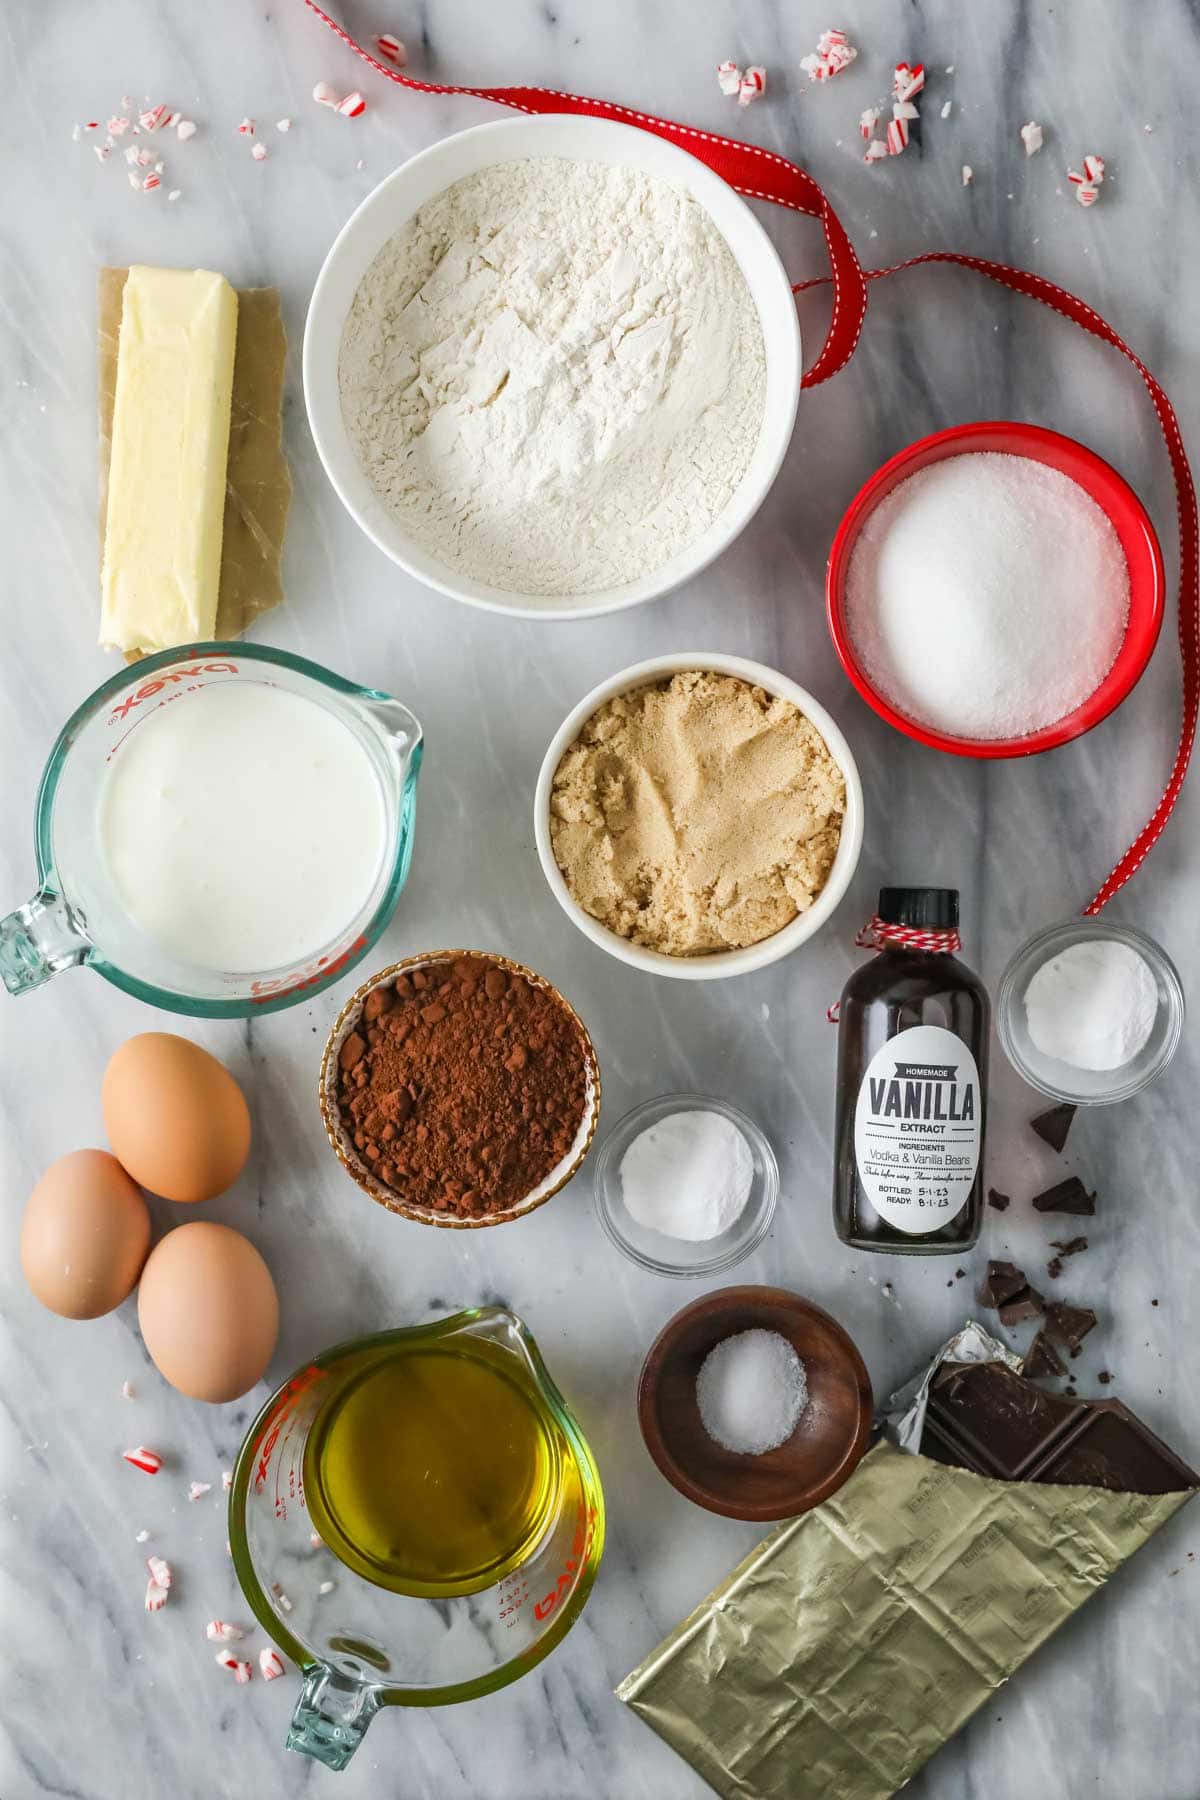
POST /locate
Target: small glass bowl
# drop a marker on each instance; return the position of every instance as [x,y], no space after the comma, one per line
[679,1256]
[1060,1080]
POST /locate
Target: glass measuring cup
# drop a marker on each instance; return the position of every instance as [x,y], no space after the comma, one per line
[76,916]
[361,1645]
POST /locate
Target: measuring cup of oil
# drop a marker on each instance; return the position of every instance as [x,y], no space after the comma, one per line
[221,830]
[415,1519]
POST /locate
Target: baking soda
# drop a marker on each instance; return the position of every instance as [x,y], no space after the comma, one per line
[751,1390]
[688,1175]
[987,596]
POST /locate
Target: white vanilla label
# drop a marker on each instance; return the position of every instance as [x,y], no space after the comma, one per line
[918,1129]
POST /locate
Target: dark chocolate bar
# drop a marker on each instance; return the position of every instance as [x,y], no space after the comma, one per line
[1002,1281]
[985,1417]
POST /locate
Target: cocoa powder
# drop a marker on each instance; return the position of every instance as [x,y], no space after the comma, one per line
[462,1085]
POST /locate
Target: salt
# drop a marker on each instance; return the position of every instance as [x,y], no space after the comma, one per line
[688,1176]
[751,1390]
[1093,1006]
[987,596]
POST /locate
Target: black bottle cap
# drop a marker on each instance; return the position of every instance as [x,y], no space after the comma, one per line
[925,909]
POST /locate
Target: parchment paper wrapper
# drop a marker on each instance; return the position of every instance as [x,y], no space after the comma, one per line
[857,1639]
[258,487]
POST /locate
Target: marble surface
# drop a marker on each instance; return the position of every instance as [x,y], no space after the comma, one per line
[100,1701]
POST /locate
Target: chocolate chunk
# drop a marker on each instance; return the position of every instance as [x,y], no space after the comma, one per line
[1000,1201]
[1069,1196]
[1104,1377]
[1025,1305]
[1052,1127]
[959,1273]
[1042,1358]
[1069,1325]
[1002,1281]
[1065,1247]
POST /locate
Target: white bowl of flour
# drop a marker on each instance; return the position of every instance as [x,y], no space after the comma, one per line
[551,366]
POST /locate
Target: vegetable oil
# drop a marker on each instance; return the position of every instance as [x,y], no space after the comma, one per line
[433,1470]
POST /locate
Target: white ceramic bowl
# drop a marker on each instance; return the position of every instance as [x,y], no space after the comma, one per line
[395,200]
[721,962]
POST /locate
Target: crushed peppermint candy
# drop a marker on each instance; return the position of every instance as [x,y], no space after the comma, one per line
[101,151]
[867,121]
[174,193]
[259,152]
[148,1461]
[904,109]
[126,1390]
[729,78]
[968,174]
[327,1587]
[271,1664]
[160,1570]
[352,105]
[118,126]
[226,1480]
[833,53]
[947,108]
[281,1599]
[391,49]
[752,86]
[151,182]
[246,128]
[143,1537]
[1032,137]
[875,151]
[241,1670]
[154,117]
[1087,184]
[907,82]
[185,129]
[218,1631]
[324,95]
[315,1539]
[198,1489]
[283,124]
[156,1596]
[897,137]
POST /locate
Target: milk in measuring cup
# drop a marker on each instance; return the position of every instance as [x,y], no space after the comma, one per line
[242,826]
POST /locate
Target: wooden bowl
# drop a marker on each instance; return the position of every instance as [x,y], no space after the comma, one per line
[821,1453]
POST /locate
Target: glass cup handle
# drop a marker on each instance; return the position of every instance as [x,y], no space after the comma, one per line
[39,940]
[331,1717]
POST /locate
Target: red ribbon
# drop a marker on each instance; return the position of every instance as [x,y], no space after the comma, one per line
[763,175]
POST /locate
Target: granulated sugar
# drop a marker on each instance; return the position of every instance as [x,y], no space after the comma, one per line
[987,596]
[751,1390]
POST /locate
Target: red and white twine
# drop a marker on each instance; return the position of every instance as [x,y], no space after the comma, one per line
[764,175]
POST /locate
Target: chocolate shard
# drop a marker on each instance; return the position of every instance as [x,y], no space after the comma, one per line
[1042,1358]
[1053,1126]
[1000,1201]
[1069,1325]
[1069,1246]
[1002,1281]
[1069,1196]
[1025,1305]
[1054,1267]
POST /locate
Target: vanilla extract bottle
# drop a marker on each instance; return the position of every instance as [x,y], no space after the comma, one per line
[911,1084]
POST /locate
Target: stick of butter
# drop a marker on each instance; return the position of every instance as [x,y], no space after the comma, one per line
[170,448]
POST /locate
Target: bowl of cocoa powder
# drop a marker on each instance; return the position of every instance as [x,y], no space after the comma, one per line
[459,1089]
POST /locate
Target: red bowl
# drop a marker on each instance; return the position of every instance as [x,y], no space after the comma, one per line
[1112,494]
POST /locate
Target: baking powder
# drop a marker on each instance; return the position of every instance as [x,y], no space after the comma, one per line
[1093,1005]
[554,375]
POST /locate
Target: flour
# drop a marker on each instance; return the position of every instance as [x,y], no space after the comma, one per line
[554,375]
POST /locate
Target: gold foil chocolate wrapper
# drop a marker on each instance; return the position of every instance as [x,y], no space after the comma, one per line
[857,1639]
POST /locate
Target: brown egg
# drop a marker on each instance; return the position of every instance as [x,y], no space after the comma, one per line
[208,1311]
[175,1117]
[84,1236]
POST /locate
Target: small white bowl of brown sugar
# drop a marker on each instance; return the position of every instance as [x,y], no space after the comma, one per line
[698,816]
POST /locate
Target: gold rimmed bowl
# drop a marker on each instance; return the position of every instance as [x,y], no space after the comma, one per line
[340,1135]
